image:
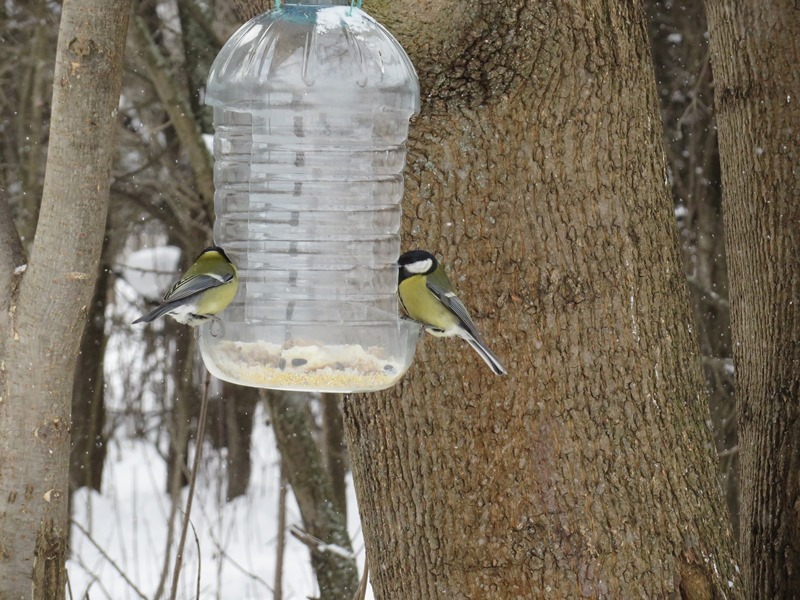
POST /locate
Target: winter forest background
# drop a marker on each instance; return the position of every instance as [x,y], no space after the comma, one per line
[586,473]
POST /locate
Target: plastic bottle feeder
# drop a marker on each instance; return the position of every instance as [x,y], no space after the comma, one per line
[311,108]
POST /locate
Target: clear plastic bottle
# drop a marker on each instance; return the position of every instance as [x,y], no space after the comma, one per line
[311,108]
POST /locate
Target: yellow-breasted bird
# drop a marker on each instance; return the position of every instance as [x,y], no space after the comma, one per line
[427,296]
[203,291]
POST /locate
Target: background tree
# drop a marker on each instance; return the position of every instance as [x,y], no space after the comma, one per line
[682,61]
[536,171]
[47,303]
[756,49]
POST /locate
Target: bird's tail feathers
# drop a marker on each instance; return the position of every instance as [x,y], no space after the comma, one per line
[487,355]
[155,313]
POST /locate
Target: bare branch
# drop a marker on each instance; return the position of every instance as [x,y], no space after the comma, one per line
[317,545]
[110,560]
[281,543]
[198,448]
[199,559]
[707,295]
[180,114]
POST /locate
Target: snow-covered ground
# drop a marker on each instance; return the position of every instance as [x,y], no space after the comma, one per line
[237,540]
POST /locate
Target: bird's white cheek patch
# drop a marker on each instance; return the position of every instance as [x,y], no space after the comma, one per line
[421,266]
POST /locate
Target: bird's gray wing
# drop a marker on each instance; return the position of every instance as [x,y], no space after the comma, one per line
[194,285]
[454,305]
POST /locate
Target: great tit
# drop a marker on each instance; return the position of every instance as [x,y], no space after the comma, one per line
[428,297]
[204,290]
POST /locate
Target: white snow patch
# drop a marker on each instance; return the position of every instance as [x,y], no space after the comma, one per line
[237,539]
[20,269]
[336,549]
[208,140]
[150,271]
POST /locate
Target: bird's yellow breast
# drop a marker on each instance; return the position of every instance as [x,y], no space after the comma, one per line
[421,305]
[216,299]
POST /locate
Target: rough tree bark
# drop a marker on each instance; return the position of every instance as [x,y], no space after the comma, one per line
[756,50]
[536,171]
[48,313]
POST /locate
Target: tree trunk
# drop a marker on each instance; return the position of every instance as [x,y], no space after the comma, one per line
[50,309]
[302,462]
[239,405]
[31,142]
[183,406]
[334,448]
[756,50]
[682,61]
[88,444]
[536,172]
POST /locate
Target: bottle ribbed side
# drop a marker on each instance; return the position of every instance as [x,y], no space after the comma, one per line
[311,111]
[312,220]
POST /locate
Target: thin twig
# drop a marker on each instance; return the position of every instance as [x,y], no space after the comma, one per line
[244,571]
[278,593]
[707,295]
[199,561]
[110,560]
[171,272]
[69,585]
[201,429]
[361,592]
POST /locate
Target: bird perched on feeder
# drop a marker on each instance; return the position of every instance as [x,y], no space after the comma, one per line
[428,297]
[203,291]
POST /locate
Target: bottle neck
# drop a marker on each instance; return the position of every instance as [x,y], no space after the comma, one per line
[318,2]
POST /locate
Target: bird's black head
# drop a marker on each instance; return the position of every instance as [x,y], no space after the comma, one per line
[416,262]
[217,249]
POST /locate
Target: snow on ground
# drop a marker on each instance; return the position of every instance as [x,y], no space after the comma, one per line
[237,540]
